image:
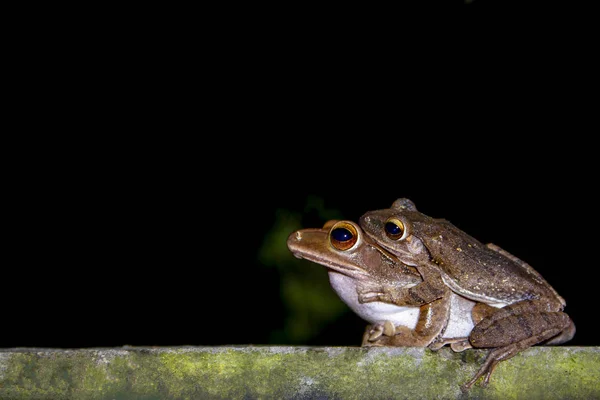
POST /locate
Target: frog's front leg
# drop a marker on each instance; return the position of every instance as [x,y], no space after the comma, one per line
[374,332]
[432,287]
[418,295]
[401,336]
[433,318]
[515,328]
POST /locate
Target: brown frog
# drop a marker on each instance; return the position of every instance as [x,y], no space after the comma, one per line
[530,310]
[378,288]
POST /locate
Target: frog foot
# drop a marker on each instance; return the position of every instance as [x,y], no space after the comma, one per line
[456,344]
[378,331]
[461,345]
[369,292]
[388,295]
[369,297]
[492,360]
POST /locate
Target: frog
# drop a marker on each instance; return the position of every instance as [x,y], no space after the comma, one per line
[529,310]
[377,287]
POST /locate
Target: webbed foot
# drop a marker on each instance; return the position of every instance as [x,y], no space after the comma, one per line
[456,344]
[375,332]
[492,360]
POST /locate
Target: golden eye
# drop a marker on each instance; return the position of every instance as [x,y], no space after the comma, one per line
[394,229]
[343,235]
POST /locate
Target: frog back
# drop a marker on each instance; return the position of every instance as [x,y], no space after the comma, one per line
[481,272]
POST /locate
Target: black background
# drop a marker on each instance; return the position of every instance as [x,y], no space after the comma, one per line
[143,180]
[158,245]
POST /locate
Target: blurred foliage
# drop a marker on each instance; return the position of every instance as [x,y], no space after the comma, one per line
[309,301]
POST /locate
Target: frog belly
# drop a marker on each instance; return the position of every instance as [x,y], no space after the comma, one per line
[460,322]
[374,312]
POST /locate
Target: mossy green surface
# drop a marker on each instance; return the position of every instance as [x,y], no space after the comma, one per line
[261,372]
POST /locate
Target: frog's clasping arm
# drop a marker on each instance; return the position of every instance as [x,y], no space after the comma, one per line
[418,295]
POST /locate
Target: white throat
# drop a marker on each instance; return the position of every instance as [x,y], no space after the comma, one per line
[374,312]
[459,324]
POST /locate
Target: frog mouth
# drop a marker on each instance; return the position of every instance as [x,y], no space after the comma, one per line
[346,269]
[312,245]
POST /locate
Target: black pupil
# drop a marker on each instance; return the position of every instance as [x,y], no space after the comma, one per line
[341,234]
[392,228]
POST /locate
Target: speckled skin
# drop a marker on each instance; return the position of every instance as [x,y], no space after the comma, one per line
[479,272]
[447,257]
[365,275]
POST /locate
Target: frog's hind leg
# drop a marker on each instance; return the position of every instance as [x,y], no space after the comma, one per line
[519,322]
[515,328]
[502,354]
[482,311]
[564,336]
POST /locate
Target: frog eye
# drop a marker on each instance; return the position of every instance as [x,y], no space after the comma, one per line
[343,235]
[394,229]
